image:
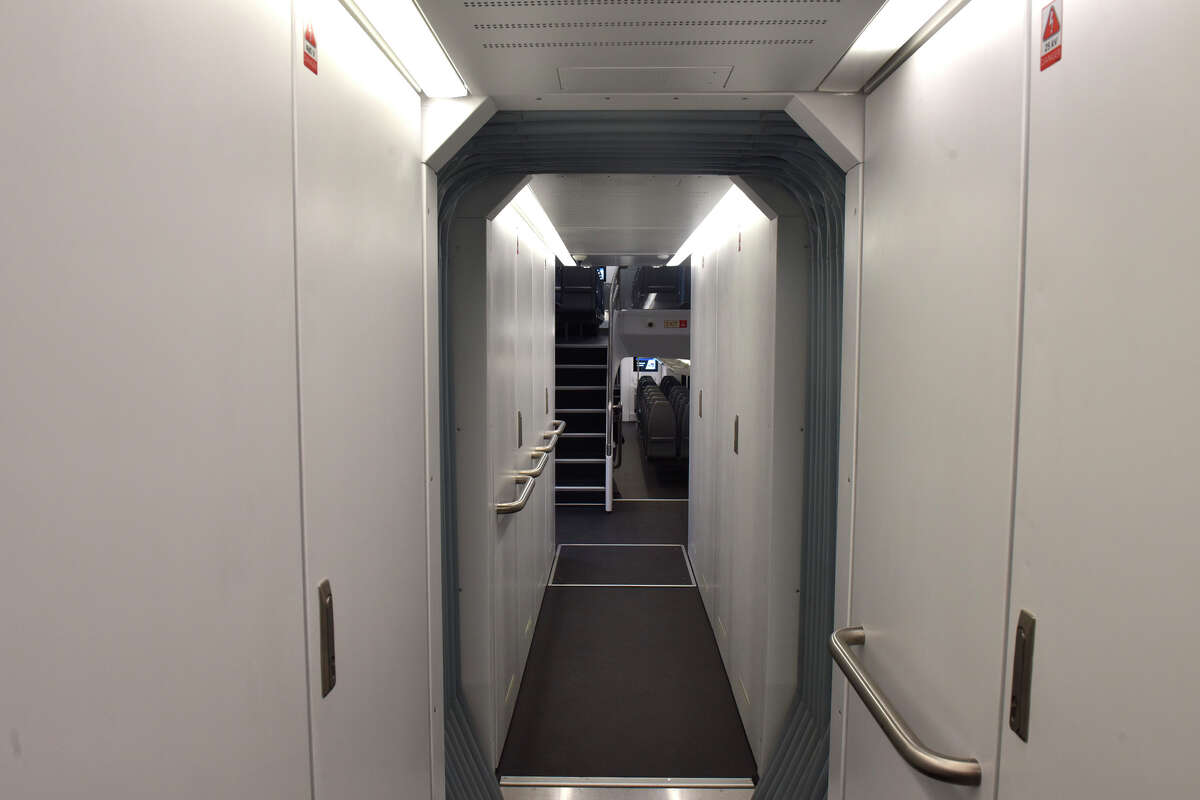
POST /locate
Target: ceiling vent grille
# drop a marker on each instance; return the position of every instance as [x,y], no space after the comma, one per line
[683,23]
[565,3]
[654,43]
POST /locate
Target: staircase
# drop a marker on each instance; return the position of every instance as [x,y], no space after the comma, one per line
[581,375]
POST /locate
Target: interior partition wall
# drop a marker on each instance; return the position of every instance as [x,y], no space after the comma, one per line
[501,307]
[766,145]
[749,353]
[211,339]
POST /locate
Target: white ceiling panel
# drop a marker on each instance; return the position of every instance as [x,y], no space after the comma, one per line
[517,47]
[643,79]
[620,214]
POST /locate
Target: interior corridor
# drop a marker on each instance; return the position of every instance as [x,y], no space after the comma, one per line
[635,478]
[624,678]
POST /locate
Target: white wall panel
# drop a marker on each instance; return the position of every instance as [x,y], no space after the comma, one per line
[702,472]
[474,500]
[847,447]
[153,640]
[502,293]
[745,535]
[1104,550]
[528,372]
[784,432]
[360,273]
[433,482]
[550,477]
[937,381]
[500,389]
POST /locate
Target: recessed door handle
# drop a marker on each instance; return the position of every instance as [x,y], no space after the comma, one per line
[951,769]
[328,657]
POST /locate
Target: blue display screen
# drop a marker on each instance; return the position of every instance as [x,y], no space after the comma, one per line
[645,364]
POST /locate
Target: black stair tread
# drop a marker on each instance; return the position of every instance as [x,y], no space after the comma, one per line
[581,435]
[579,461]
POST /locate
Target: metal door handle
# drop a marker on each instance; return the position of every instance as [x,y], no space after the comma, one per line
[536,472]
[519,503]
[951,769]
[559,428]
[548,448]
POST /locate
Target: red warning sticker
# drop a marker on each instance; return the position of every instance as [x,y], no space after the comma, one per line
[675,323]
[1052,34]
[310,49]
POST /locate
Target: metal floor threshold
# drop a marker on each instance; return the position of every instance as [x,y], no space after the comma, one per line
[628,783]
[626,793]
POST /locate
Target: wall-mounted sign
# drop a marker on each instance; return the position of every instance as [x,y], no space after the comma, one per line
[310,49]
[1052,34]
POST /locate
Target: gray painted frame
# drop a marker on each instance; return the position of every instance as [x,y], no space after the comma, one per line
[765,145]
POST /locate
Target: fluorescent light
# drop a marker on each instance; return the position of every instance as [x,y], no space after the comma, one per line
[731,213]
[893,25]
[403,30]
[530,210]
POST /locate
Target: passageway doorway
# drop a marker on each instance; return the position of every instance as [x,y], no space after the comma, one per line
[664,644]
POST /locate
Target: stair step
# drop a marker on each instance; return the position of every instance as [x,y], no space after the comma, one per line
[579,461]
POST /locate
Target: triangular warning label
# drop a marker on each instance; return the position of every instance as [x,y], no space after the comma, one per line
[310,49]
[1052,25]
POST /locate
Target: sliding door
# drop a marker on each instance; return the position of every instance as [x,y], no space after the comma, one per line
[359,224]
[937,387]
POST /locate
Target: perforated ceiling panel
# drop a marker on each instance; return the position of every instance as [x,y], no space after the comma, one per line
[513,50]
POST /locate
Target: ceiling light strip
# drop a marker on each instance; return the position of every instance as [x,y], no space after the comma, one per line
[730,214]
[364,23]
[530,210]
[431,49]
[935,23]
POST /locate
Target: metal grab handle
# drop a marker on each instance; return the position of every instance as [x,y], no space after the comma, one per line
[964,771]
[548,448]
[536,472]
[519,503]
[559,428]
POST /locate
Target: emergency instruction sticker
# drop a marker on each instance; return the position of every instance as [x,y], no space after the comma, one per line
[1051,34]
